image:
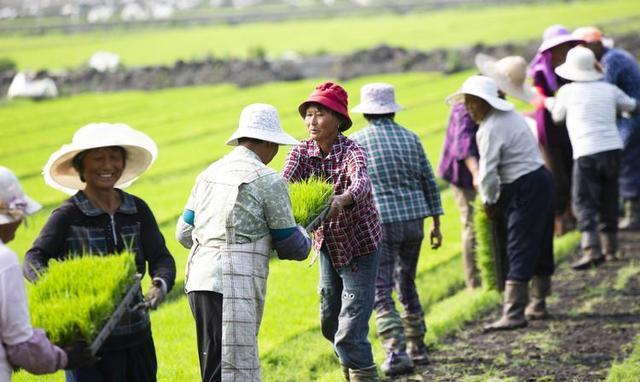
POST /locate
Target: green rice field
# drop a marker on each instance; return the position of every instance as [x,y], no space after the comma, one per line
[420,30]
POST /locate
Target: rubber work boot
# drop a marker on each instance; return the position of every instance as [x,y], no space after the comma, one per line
[591,257]
[516,296]
[369,374]
[609,246]
[415,329]
[631,219]
[397,361]
[540,290]
[345,373]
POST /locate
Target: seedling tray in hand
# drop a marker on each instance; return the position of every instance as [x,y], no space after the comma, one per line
[122,308]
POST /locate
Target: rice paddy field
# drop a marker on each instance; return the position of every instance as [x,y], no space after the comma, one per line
[460,26]
[191,124]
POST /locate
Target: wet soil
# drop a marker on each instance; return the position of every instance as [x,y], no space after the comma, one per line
[592,322]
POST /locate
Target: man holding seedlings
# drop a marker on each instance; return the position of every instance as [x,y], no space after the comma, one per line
[348,239]
[514,184]
[21,345]
[102,219]
[239,209]
[405,192]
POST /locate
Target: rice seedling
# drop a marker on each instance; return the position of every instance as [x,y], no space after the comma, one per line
[484,247]
[308,198]
[74,298]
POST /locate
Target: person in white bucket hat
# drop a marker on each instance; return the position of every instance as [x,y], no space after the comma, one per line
[238,210]
[621,69]
[405,193]
[514,185]
[100,218]
[21,345]
[590,107]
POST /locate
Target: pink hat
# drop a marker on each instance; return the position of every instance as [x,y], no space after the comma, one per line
[331,96]
[556,35]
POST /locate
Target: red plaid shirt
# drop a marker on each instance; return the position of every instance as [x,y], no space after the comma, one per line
[356,231]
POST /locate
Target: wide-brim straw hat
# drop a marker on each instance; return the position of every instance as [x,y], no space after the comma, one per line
[377,98]
[556,35]
[261,121]
[509,73]
[141,150]
[14,203]
[483,87]
[580,66]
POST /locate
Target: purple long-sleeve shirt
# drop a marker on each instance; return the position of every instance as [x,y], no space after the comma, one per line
[459,144]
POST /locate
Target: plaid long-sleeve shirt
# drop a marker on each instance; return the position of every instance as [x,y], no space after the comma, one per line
[404,187]
[356,231]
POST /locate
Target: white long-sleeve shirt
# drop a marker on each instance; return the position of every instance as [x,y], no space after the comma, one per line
[507,151]
[590,109]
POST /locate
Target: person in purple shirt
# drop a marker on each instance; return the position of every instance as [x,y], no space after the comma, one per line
[621,69]
[553,138]
[459,167]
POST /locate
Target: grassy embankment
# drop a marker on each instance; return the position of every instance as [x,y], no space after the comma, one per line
[421,30]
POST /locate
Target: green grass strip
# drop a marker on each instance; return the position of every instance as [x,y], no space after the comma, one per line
[75,297]
[308,198]
[629,369]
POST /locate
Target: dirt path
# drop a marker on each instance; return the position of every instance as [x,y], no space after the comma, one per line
[592,321]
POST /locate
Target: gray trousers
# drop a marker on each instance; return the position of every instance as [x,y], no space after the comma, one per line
[464,200]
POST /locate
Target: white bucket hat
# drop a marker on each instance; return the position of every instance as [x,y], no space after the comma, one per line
[509,73]
[14,203]
[261,121]
[483,87]
[580,65]
[141,152]
[377,98]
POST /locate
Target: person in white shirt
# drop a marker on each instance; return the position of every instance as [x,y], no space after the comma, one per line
[514,185]
[20,344]
[590,107]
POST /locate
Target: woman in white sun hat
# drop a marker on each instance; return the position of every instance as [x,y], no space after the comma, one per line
[100,218]
[590,106]
[513,185]
[20,344]
[239,209]
[405,192]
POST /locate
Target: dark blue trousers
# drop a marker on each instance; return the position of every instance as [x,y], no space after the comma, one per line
[528,207]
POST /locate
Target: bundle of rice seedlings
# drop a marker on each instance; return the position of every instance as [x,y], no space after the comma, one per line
[75,297]
[308,198]
[484,247]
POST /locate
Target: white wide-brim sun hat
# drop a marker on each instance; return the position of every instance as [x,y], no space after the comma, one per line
[483,87]
[377,98]
[261,121]
[14,203]
[140,148]
[580,66]
[509,73]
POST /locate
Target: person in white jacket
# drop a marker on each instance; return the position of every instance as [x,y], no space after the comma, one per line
[21,345]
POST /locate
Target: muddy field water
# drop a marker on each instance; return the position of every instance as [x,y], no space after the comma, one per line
[594,317]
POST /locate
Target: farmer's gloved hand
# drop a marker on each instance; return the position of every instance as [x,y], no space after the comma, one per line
[156,293]
[79,355]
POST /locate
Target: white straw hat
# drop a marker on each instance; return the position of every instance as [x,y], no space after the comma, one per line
[141,152]
[261,121]
[377,98]
[14,203]
[509,73]
[580,65]
[483,87]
